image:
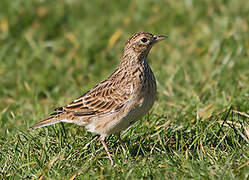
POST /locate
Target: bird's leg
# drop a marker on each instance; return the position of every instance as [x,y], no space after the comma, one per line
[102,137]
[122,146]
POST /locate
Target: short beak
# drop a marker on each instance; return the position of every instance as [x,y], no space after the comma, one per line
[159,38]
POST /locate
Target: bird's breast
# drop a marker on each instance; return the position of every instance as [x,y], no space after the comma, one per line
[145,94]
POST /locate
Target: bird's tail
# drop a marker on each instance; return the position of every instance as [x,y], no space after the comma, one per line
[45,122]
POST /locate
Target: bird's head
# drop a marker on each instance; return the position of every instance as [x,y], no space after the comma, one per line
[142,42]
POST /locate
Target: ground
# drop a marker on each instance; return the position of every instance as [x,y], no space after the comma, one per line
[53,51]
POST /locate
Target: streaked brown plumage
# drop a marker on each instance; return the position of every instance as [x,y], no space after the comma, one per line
[120,100]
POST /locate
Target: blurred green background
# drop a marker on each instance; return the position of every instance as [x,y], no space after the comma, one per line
[53,51]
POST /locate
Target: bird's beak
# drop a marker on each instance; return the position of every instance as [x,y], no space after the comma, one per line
[159,38]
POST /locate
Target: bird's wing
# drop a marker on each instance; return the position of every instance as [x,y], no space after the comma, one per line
[106,97]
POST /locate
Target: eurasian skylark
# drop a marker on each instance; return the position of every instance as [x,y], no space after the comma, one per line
[117,102]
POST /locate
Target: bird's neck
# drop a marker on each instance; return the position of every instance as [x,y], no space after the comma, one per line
[131,59]
[130,63]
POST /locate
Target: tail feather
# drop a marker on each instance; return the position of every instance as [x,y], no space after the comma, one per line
[45,122]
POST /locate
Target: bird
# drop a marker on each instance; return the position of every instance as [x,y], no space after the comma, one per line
[120,100]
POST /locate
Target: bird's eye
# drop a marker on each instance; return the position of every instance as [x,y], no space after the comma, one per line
[144,40]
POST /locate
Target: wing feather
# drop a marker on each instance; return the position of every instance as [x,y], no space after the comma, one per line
[104,98]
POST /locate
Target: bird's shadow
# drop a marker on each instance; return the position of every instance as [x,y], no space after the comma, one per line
[135,147]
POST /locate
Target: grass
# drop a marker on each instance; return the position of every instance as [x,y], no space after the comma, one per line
[53,51]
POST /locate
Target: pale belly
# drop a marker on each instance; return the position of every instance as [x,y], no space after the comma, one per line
[135,113]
